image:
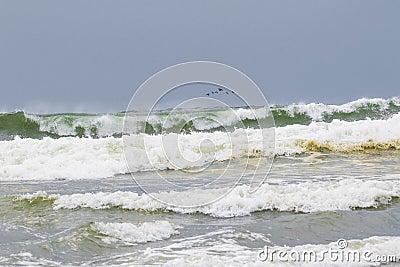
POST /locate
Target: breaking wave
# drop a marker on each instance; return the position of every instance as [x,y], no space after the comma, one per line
[85,158]
[104,125]
[129,233]
[303,197]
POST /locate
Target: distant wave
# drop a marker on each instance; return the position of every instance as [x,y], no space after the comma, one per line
[103,125]
[303,197]
[85,158]
[361,109]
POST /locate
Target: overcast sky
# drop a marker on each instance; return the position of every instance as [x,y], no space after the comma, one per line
[92,55]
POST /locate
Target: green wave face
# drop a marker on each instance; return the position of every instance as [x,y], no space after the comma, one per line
[38,126]
[13,124]
[371,111]
[375,109]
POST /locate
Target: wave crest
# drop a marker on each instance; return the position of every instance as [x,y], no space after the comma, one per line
[104,125]
[303,197]
[77,158]
[130,233]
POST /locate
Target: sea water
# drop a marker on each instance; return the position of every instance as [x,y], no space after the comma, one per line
[67,196]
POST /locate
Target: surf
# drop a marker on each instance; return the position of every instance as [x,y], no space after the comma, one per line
[38,126]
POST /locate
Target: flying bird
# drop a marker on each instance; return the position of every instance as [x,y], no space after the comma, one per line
[220,90]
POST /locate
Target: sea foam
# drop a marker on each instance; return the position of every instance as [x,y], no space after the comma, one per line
[241,201]
[130,233]
[236,255]
[317,111]
[85,158]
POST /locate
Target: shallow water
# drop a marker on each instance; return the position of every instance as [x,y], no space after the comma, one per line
[333,173]
[33,231]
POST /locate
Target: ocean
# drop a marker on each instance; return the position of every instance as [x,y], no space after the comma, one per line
[70,196]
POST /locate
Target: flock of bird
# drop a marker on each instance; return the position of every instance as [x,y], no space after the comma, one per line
[220,90]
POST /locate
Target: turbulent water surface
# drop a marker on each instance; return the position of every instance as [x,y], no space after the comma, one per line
[67,196]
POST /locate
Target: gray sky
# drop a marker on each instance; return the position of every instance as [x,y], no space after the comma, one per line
[92,55]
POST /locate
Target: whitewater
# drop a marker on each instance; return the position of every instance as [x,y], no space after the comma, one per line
[85,158]
[73,186]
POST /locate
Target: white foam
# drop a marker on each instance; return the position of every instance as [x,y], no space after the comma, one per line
[68,157]
[337,132]
[85,158]
[77,158]
[343,131]
[236,255]
[303,197]
[130,233]
[27,259]
[317,110]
